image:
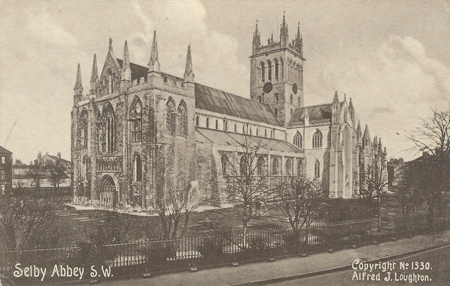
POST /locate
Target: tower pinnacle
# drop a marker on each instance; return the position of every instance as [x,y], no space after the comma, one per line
[94,75]
[188,73]
[78,84]
[126,71]
[153,64]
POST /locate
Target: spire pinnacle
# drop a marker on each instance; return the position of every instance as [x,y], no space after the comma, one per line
[126,56]
[94,74]
[126,71]
[153,64]
[78,84]
[284,35]
[336,97]
[188,73]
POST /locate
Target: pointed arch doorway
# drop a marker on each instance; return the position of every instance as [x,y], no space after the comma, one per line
[108,191]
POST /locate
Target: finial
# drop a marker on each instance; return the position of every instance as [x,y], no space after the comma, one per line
[345,97]
[110,41]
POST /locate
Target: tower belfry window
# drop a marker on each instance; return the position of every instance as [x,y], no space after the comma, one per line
[182,119]
[269,67]
[262,72]
[276,69]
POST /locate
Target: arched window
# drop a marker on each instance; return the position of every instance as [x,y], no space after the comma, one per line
[224,160]
[170,117]
[298,140]
[250,131]
[276,98]
[260,166]
[317,169]
[207,122]
[292,99]
[276,111]
[107,129]
[265,132]
[243,166]
[292,111]
[257,131]
[281,69]
[137,168]
[262,72]
[275,167]
[182,119]
[136,120]
[83,128]
[243,129]
[235,127]
[225,125]
[298,101]
[217,124]
[269,72]
[300,168]
[276,69]
[288,167]
[110,82]
[197,120]
[317,139]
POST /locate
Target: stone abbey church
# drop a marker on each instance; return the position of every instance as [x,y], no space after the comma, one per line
[140,132]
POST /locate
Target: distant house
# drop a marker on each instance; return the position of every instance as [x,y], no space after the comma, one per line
[5,170]
[46,173]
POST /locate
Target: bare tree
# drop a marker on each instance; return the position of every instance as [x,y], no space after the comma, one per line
[433,171]
[374,180]
[406,191]
[174,211]
[28,221]
[300,200]
[247,180]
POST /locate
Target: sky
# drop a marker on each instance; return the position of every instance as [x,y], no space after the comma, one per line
[391,57]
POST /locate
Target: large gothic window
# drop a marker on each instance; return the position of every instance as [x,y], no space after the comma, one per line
[317,169]
[317,139]
[275,167]
[182,120]
[136,120]
[137,168]
[170,117]
[107,128]
[288,167]
[298,140]
[269,70]
[225,163]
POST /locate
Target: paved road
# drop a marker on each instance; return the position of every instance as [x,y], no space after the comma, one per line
[439,273]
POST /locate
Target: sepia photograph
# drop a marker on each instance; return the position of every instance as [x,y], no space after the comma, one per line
[224,142]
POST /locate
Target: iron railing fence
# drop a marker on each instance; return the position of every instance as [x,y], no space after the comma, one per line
[213,249]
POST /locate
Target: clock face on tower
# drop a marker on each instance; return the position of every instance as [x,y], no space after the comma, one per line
[267,87]
[295,88]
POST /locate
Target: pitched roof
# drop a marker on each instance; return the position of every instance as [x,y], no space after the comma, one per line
[215,100]
[315,112]
[4,150]
[137,71]
[224,138]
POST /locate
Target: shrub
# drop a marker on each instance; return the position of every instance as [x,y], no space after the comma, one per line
[212,246]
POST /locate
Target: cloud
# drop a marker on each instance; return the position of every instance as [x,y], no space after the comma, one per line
[178,24]
[391,90]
